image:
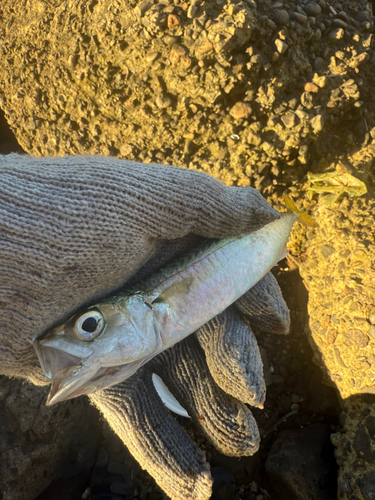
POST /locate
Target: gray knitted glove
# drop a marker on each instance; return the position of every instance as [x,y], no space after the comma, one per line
[74,229]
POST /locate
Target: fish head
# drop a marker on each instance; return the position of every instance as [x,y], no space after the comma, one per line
[98,347]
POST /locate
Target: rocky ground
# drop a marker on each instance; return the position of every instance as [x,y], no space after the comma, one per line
[256,93]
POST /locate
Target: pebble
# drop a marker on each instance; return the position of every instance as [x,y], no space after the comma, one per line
[312,9]
[339,23]
[151,56]
[317,123]
[300,18]
[306,100]
[311,87]
[318,63]
[143,7]
[281,46]
[192,11]
[170,40]
[281,17]
[289,119]
[163,101]
[336,34]
[240,110]
[254,139]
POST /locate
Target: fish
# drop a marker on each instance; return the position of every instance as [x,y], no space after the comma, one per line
[109,341]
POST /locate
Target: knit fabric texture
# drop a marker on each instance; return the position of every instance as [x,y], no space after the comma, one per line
[74,229]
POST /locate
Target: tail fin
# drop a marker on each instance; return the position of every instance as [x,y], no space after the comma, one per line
[302,218]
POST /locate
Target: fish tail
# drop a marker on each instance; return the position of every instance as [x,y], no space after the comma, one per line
[302,217]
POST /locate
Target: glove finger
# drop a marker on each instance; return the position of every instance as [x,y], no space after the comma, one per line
[233,357]
[265,306]
[225,421]
[158,443]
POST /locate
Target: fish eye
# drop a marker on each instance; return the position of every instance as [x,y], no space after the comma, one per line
[89,326]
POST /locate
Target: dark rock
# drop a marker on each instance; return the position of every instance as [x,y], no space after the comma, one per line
[367,486]
[301,466]
[362,445]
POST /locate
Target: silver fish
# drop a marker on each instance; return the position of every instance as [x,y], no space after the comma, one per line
[111,340]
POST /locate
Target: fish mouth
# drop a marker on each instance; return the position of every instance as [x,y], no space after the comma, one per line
[77,375]
[68,371]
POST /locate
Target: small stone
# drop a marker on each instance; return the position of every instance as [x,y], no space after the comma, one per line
[317,34]
[173,21]
[311,87]
[294,407]
[317,123]
[371,331]
[163,101]
[151,56]
[312,9]
[177,51]
[327,251]
[318,63]
[274,56]
[281,46]
[306,100]
[300,18]
[170,40]
[339,23]
[240,110]
[254,139]
[289,119]
[281,17]
[192,10]
[336,34]
[143,7]
[205,47]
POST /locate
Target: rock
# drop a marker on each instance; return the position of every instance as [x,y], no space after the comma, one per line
[281,17]
[317,123]
[240,110]
[306,100]
[301,466]
[281,46]
[311,87]
[336,34]
[254,139]
[312,9]
[289,119]
[163,101]
[300,18]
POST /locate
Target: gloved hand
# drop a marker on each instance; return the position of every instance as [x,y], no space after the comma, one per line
[74,229]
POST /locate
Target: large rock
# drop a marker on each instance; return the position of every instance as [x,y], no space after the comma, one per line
[300,465]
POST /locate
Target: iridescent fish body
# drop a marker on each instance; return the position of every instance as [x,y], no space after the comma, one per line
[110,341]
